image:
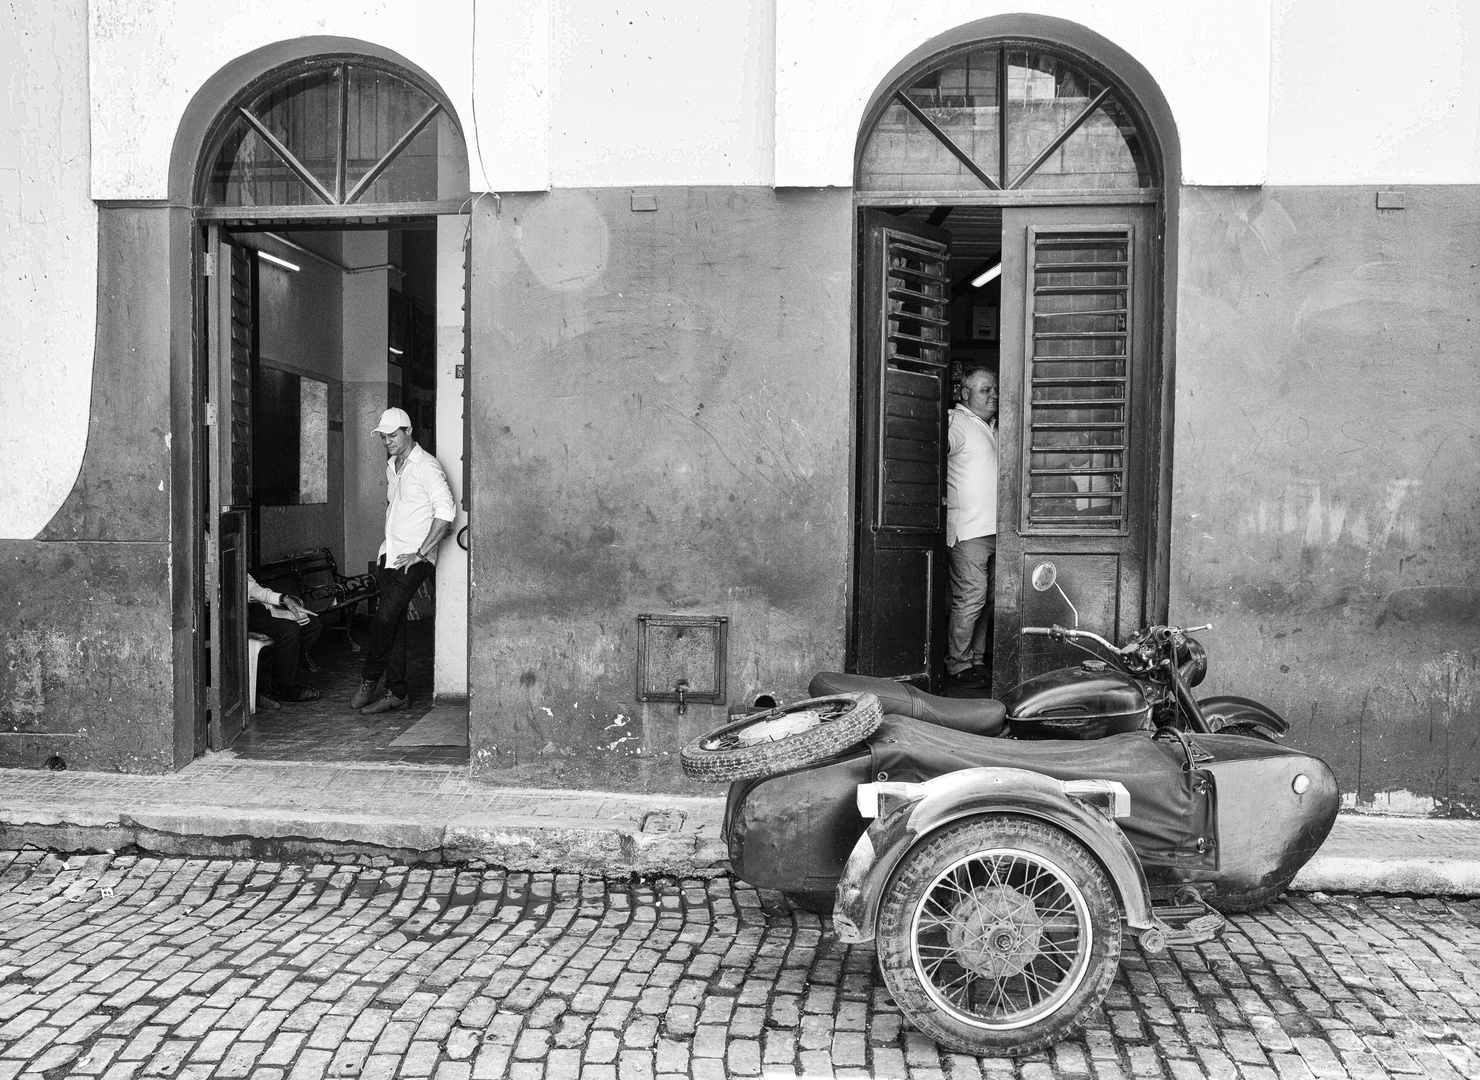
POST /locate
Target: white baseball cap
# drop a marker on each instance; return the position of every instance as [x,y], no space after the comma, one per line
[392,420]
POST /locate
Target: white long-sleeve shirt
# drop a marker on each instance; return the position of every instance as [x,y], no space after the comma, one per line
[414,496]
[971,477]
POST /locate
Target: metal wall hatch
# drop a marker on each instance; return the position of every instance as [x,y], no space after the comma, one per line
[681,658]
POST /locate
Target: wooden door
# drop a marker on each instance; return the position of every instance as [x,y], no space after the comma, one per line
[900,589]
[230,284]
[1079,426]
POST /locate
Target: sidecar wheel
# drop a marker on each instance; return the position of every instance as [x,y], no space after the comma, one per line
[773,741]
[999,935]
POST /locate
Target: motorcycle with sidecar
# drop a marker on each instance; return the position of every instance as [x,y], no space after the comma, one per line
[993,850]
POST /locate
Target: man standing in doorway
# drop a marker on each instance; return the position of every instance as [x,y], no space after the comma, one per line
[418,515]
[971,529]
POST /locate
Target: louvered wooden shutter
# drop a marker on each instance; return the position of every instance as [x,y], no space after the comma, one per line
[916,353]
[1079,380]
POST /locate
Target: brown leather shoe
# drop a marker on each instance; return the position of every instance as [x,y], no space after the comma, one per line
[385,704]
[363,696]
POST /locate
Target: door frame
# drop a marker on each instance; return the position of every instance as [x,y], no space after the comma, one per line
[189,460]
[1155,115]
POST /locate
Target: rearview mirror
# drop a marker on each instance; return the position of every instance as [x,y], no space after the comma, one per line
[1045,575]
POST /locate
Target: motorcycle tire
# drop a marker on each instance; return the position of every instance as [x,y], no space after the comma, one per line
[999,935]
[773,741]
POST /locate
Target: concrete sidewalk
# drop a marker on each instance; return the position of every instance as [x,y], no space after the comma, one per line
[221,807]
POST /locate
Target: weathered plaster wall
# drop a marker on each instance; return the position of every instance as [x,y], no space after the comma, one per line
[49,251]
[1326,512]
[87,670]
[661,414]
[1370,93]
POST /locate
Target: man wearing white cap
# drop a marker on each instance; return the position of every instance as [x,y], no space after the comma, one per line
[418,515]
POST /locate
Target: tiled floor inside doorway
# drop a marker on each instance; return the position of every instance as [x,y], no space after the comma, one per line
[328,730]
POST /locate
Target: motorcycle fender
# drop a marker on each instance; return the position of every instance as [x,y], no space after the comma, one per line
[909,813]
[1225,710]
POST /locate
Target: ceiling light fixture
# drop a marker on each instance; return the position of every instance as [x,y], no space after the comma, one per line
[284,263]
[987,275]
[394,350]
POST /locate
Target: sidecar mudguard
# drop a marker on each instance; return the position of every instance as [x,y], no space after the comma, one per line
[1227,710]
[908,813]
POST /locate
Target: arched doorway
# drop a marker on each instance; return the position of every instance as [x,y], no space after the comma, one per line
[317,185]
[1010,195]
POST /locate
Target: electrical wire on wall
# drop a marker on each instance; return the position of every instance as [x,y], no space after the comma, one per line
[472,203]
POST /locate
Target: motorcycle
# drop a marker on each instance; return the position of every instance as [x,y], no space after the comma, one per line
[993,850]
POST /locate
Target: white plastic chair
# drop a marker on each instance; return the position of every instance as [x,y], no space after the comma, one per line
[255,644]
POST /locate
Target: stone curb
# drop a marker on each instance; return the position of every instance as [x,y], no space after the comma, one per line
[1419,877]
[1363,855]
[531,845]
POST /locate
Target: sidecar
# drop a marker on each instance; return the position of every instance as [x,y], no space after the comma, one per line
[994,875]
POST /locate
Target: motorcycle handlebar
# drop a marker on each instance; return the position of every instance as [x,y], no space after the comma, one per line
[1064,632]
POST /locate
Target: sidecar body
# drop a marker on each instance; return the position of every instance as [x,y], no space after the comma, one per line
[1232,816]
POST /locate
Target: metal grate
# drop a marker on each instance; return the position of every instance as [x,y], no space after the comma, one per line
[917,329]
[1079,380]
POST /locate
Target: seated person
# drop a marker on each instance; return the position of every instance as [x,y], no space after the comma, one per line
[293,629]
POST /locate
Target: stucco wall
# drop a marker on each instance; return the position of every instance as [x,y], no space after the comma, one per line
[661,415]
[85,644]
[1326,511]
[49,251]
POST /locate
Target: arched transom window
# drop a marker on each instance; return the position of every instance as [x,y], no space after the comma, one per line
[334,132]
[1004,117]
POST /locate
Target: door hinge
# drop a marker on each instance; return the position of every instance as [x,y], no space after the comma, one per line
[210,414]
[208,263]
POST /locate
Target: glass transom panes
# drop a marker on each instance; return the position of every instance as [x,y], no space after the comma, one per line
[1078,380]
[336,133]
[1005,117]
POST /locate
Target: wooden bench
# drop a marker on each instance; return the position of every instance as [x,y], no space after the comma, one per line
[314,577]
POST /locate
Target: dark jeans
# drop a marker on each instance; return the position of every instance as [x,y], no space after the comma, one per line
[387,653]
[289,642]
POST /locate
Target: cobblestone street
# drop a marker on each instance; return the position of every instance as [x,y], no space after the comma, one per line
[132,966]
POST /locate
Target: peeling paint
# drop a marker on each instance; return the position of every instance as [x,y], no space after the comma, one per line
[1397,803]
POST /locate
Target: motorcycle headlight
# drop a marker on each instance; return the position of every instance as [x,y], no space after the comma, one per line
[1192,661]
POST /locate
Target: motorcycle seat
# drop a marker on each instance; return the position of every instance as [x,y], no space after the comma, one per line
[973,716]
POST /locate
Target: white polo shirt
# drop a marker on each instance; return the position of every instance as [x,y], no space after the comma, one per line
[971,477]
[415,495]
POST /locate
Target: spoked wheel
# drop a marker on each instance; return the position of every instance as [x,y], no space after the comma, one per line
[999,935]
[773,741]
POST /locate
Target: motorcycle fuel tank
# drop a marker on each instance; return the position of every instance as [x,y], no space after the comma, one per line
[1085,702]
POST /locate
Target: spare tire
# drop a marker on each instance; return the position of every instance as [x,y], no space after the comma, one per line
[773,741]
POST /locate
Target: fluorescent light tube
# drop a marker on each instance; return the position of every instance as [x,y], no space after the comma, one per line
[278,262]
[393,349]
[986,276]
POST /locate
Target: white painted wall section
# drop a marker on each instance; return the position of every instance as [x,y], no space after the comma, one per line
[450,664]
[1375,93]
[1211,61]
[662,92]
[149,57]
[48,261]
